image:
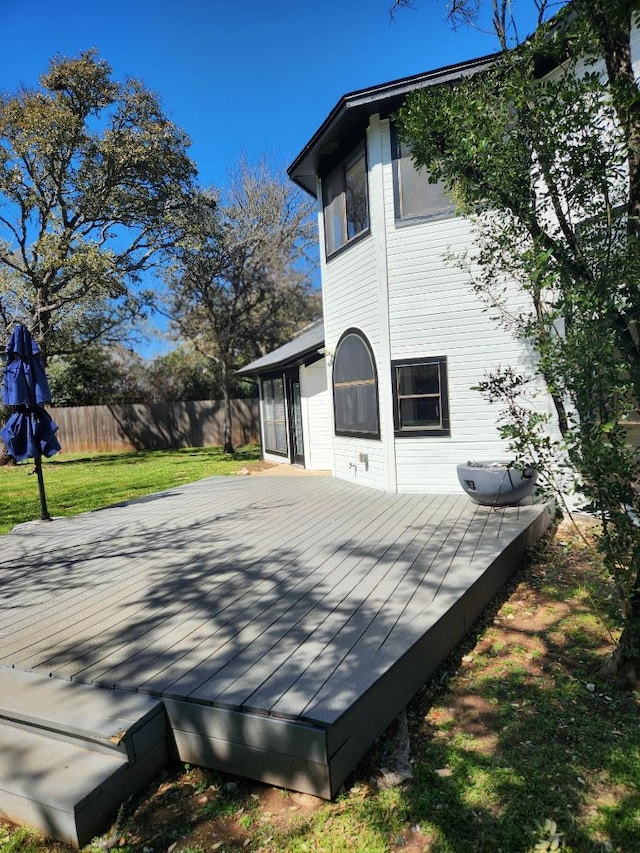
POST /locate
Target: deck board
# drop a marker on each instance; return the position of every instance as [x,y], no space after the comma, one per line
[229,595]
[130,604]
[286,638]
[288,692]
[296,579]
[281,619]
[360,639]
[236,624]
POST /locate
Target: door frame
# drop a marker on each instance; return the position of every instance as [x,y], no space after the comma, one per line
[296,426]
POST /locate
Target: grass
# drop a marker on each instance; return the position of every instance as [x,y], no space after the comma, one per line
[83,482]
[517,745]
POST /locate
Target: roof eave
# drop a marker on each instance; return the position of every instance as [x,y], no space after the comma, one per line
[352,112]
[304,358]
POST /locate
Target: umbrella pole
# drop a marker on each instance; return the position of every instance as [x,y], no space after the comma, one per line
[44,514]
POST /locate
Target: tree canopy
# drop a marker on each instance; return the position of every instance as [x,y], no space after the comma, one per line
[94,187]
[244,284]
[543,152]
[99,375]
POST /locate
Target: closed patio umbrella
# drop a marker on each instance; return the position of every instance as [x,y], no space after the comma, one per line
[29,433]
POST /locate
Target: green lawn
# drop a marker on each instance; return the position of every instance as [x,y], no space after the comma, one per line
[80,482]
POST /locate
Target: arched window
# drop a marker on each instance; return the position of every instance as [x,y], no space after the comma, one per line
[355,387]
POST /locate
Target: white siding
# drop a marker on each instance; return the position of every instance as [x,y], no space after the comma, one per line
[316,417]
[434,312]
[351,284]
[400,288]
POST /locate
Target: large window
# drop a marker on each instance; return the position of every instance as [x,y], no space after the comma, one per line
[355,387]
[274,416]
[346,202]
[421,404]
[414,197]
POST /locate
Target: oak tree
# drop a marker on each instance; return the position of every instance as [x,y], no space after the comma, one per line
[94,187]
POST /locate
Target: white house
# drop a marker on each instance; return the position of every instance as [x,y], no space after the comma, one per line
[388,400]
[295,409]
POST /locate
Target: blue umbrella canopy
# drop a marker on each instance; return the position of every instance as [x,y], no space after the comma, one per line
[29,432]
[25,382]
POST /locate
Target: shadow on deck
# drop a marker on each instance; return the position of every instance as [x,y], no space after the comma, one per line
[283,622]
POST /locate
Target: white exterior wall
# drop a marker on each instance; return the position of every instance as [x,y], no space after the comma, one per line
[434,312]
[316,417]
[354,295]
[397,286]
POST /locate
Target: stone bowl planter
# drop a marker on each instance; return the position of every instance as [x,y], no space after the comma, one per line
[494,483]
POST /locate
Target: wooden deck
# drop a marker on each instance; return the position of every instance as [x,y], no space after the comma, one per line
[283,621]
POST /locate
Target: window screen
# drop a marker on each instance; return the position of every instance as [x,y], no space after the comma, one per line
[334,225]
[415,197]
[355,387]
[274,416]
[346,202]
[421,405]
[355,197]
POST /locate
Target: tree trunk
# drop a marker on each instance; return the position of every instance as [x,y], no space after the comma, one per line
[624,664]
[227,444]
[613,24]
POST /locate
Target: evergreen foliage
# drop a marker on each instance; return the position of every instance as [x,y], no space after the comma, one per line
[542,151]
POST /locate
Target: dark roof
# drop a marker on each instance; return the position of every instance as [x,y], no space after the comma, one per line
[305,348]
[345,124]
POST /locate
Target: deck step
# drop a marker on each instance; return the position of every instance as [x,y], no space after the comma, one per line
[71,753]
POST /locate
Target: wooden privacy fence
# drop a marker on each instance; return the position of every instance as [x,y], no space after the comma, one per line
[154,426]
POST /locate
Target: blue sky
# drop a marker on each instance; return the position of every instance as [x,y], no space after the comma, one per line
[242,77]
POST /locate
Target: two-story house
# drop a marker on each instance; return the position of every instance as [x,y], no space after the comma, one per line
[383,393]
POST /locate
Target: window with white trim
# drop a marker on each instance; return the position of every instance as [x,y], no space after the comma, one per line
[355,387]
[346,202]
[420,397]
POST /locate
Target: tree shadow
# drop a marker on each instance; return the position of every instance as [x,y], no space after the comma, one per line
[242,454]
[288,600]
[155,426]
[523,759]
